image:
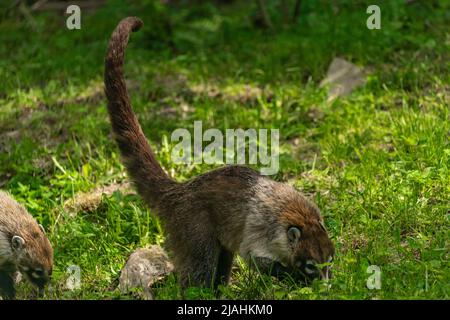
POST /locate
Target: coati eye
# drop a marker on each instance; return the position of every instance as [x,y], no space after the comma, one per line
[294,234]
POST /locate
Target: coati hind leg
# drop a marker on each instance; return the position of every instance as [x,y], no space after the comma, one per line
[195,258]
[224,264]
[197,270]
[7,290]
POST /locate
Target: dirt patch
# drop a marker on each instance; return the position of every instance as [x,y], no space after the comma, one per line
[305,151]
[386,147]
[90,201]
[168,109]
[315,115]
[242,93]
[170,85]
[8,138]
[175,95]
[353,243]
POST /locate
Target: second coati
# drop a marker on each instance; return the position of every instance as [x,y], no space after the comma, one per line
[24,247]
[224,211]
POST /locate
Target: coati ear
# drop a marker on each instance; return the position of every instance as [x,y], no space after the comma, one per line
[42,228]
[17,243]
[294,234]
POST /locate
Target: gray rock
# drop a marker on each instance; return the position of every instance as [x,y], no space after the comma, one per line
[144,268]
[342,77]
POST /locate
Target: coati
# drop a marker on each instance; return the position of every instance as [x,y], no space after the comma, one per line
[24,247]
[227,210]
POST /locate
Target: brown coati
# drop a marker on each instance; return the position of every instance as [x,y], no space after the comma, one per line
[24,247]
[228,210]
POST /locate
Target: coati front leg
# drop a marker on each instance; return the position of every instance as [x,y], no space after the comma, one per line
[200,260]
[223,270]
[275,269]
[7,290]
[197,266]
[263,265]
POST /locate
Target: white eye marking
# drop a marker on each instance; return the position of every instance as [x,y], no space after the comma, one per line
[25,269]
[309,270]
[310,267]
[35,275]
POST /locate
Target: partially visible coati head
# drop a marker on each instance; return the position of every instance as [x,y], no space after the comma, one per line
[23,243]
[33,255]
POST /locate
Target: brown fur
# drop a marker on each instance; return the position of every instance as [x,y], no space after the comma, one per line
[209,218]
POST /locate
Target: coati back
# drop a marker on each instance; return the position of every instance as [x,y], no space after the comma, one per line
[209,218]
[24,247]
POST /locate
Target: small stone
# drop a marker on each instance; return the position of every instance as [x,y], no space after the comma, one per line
[342,77]
[144,268]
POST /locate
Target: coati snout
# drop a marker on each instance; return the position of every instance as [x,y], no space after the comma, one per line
[211,217]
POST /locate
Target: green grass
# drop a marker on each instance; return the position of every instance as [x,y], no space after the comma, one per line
[376,162]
